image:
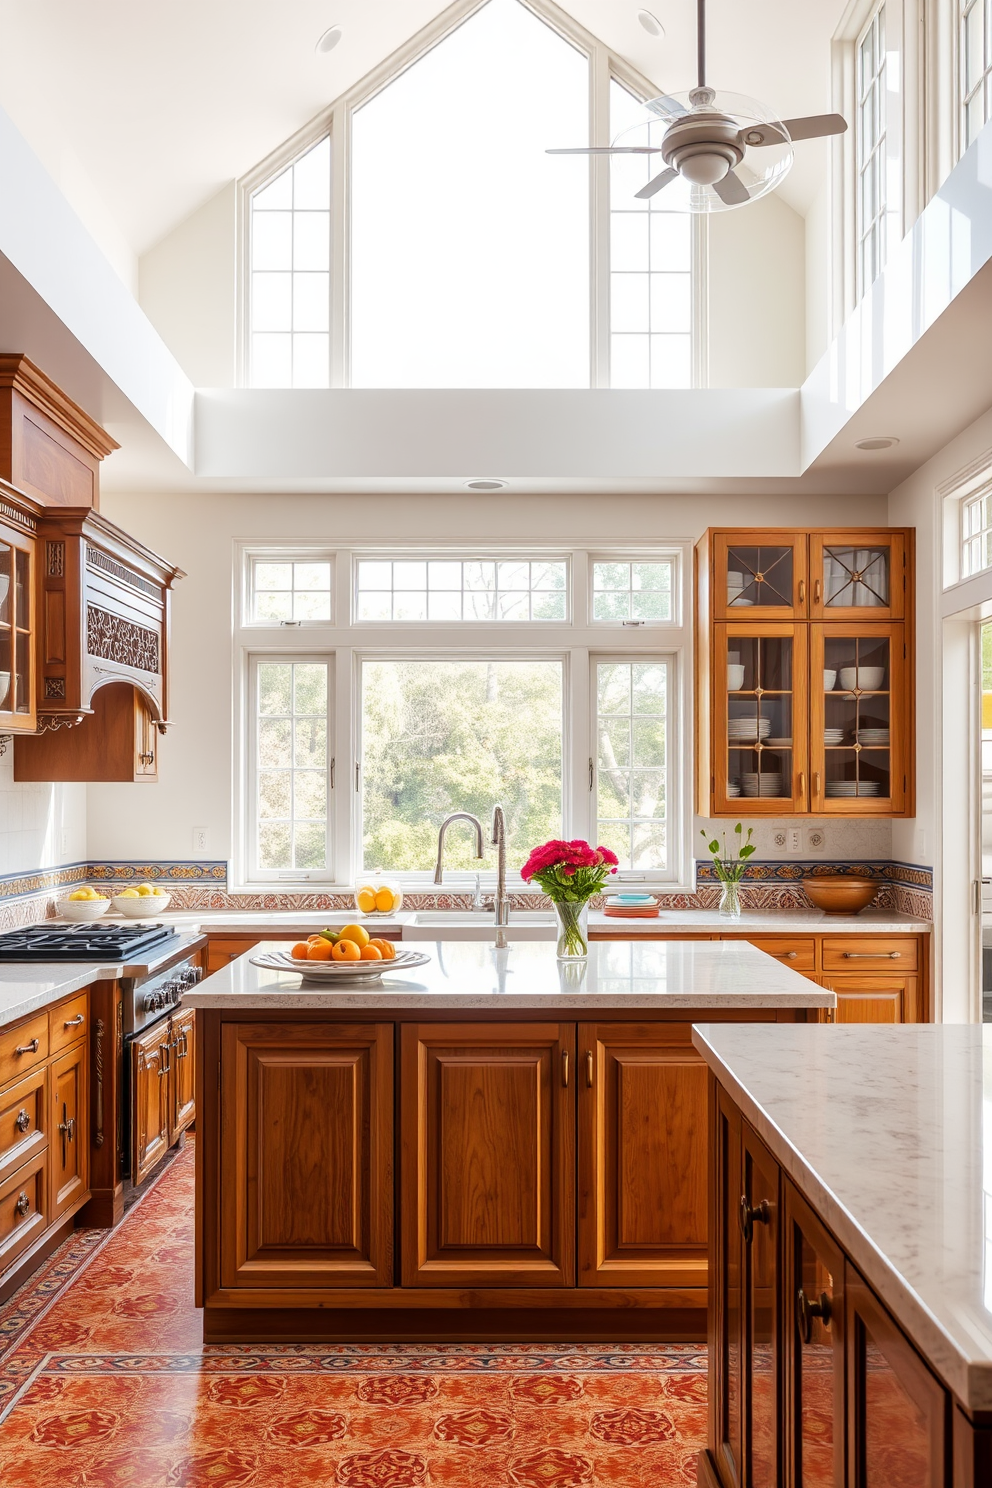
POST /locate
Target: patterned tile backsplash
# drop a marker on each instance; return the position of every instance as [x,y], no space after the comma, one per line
[772,884]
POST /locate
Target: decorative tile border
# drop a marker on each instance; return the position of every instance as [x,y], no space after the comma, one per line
[167,870]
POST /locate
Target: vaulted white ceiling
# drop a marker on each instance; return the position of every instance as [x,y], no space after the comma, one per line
[152,108]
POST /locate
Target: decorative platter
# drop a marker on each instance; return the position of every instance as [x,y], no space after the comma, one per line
[339,971]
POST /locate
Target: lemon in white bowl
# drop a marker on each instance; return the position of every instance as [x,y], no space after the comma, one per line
[82,904]
[142,902]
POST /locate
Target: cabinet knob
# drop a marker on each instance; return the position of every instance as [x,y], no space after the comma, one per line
[23,1204]
[22,1121]
[749,1217]
[806,1311]
[31,1048]
[785,955]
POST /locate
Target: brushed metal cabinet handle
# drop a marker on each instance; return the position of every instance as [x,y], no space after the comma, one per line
[872,955]
[31,1048]
[564,1068]
[590,1070]
[785,955]
[22,1121]
[23,1204]
[72,1022]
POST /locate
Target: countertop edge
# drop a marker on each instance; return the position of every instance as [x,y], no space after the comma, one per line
[969,1380]
[35,1001]
[494,1001]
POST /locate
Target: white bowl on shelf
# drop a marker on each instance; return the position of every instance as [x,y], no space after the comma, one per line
[81,909]
[866,679]
[142,908]
[735,678]
[5,698]
[829,680]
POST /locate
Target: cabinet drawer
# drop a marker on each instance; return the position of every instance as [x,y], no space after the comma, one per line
[798,955]
[23,1046]
[856,953]
[68,1023]
[23,1121]
[23,1209]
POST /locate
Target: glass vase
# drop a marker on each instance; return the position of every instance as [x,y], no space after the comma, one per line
[730,898]
[573,929]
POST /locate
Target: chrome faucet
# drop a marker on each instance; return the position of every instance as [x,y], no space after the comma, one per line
[502,903]
[480,848]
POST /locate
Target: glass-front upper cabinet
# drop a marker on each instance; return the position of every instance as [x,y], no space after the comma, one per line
[17,665]
[859,573]
[760,575]
[759,715]
[858,722]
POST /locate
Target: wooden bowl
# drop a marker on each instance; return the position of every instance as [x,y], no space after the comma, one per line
[839,895]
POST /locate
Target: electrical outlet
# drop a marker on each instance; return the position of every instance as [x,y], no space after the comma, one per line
[779,839]
[795,840]
[200,839]
[816,839]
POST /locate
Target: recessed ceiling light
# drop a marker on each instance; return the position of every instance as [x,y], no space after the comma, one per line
[651,23]
[485,485]
[883,441]
[329,40]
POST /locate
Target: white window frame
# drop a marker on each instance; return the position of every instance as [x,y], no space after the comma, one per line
[875,158]
[674,751]
[578,641]
[634,556]
[490,552]
[335,122]
[277,554]
[965,7]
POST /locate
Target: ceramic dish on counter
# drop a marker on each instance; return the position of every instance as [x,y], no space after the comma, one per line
[339,971]
[81,909]
[835,894]
[142,907]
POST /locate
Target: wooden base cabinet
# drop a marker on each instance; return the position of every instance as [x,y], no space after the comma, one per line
[70,1129]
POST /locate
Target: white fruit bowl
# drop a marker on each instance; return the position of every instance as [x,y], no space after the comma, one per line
[143,907]
[81,909]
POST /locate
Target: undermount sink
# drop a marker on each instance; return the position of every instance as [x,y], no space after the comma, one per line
[464,924]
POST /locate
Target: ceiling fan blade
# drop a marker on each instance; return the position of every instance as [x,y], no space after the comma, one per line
[656,185]
[609,150]
[814,126]
[666,108]
[732,190]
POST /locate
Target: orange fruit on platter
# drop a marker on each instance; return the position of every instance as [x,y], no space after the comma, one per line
[321,950]
[385,948]
[355,933]
[300,950]
[370,953]
[345,950]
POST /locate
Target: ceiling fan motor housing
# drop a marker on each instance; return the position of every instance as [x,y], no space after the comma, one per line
[703,147]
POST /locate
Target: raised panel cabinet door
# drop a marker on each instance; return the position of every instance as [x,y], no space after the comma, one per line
[306,1181]
[813,1337]
[726,1310]
[897,1411]
[69,1143]
[875,999]
[182,1097]
[23,1121]
[150,1065]
[642,1156]
[487,1179]
[759,1218]
[145,740]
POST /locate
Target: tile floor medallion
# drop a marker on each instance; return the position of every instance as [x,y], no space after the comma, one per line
[104,1383]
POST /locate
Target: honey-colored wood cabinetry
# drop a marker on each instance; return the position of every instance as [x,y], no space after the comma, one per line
[813,1397]
[70,1128]
[306,1167]
[487,1172]
[182,1097]
[150,1071]
[804,673]
[642,1156]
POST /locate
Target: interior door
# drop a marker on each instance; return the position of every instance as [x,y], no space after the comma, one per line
[487,1178]
[307,1155]
[642,1156]
[69,1141]
[150,1066]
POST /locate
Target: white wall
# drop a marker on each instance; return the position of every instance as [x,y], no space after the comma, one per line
[195,787]
[41,826]
[186,287]
[757,296]
[818,284]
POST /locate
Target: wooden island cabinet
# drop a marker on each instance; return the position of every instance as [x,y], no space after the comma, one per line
[483,1164]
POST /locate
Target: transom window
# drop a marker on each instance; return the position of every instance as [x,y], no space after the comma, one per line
[452,589]
[460,254]
[506,692]
[976,67]
[870,146]
[976,534]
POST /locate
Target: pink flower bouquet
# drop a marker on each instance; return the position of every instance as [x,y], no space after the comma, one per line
[570,873]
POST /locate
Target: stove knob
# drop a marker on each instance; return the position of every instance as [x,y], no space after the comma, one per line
[148,1002]
[172,990]
[196,973]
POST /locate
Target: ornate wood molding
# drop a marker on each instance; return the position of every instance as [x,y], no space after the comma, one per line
[115,639]
[21,374]
[99,1031]
[50,723]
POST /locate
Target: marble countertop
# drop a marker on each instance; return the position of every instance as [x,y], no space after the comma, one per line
[26,986]
[471,975]
[669,921]
[888,1133]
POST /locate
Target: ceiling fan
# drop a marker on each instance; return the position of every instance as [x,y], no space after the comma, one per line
[706,138]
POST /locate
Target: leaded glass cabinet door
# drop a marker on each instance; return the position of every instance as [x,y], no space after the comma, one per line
[759,575]
[859,720]
[860,573]
[760,710]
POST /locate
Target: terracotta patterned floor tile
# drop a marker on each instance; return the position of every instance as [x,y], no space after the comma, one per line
[104,1383]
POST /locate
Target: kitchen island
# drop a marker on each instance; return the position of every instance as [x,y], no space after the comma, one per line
[491,1146]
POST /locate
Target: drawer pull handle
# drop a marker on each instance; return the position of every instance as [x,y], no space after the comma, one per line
[748,1217]
[73,1022]
[164,1062]
[564,1068]
[23,1204]
[182,1050]
[802,591]
[816,591]
[31,1048]
[590,1070]
[872,955]
[806,1311]
[22,1120]
[785,955]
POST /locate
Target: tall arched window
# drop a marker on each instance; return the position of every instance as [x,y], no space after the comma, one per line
[457,252]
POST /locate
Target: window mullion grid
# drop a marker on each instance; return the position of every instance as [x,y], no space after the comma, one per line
[344,745]
[577,803]
[340,227]
[600,219]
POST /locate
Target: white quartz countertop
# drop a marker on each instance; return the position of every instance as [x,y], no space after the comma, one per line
[470,974]
[668,922]
[888,1133]
[26,986]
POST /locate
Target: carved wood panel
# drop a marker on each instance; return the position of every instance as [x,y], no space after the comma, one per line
[113,638]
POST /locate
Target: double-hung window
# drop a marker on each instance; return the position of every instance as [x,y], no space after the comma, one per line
[871,149]
[975,53]
[549,682]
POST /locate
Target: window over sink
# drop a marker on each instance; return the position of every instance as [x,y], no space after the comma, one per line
[419,683]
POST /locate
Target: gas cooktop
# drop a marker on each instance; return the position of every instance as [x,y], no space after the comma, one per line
[82,942]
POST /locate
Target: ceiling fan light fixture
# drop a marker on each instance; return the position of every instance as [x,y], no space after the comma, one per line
[329,40]
[877,442]
[650,23]
[489,483]
[704,167]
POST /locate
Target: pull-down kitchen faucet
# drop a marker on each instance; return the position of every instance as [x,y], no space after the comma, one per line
[480,849]
[502,903]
